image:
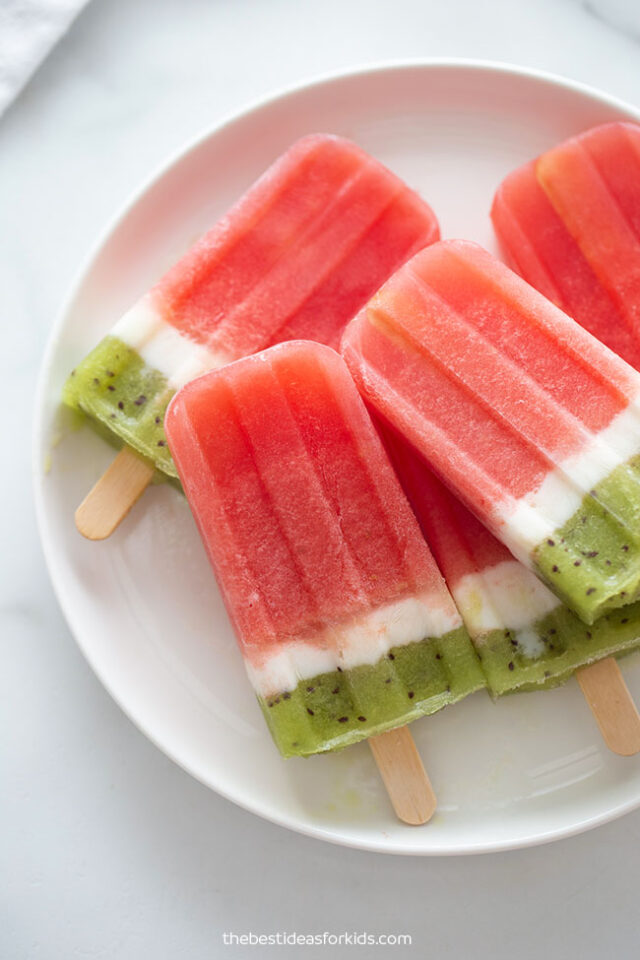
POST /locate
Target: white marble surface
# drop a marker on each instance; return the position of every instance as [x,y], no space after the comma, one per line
[107,850]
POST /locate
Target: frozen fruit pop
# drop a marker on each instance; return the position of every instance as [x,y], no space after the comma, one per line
[343,619]
[569,222]
[527,417]
[296,257]
[524,636]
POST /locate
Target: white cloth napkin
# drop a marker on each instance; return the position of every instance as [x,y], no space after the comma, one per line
[28,31]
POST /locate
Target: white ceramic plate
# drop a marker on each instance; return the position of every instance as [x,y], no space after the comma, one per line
[144,606]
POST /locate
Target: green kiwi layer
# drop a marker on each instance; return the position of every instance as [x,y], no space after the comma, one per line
[335,709]
[593,562]
[567,644]
[125,399]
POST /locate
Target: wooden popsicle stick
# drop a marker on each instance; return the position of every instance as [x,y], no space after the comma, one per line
[404,776]
[612,705]
[110,500]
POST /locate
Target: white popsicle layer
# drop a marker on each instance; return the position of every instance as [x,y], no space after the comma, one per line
[364,641]
[506,596]
[163,347]
[535,517]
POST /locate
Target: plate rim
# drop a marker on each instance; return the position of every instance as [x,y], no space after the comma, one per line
[162,168]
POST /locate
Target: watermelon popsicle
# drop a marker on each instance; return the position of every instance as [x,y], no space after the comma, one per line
[569,223]
[342,617]
[524,636]
[296,257]
[530,420]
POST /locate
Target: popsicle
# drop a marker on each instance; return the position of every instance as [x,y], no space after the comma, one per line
[345,624]
[569,223]
[524,636]
[531,421]
[296,257]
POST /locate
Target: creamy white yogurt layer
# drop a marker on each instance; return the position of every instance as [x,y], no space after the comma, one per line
[506,596]
[363,641]
[163,347]
[532,519]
